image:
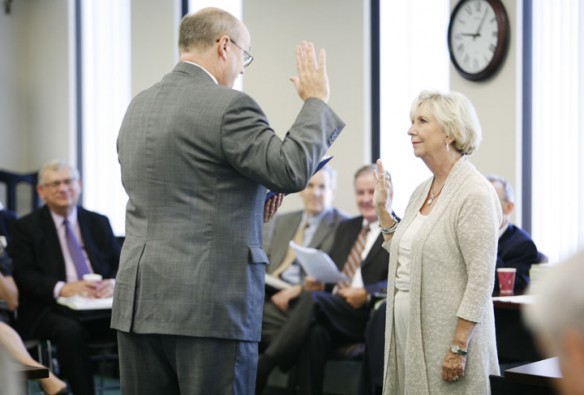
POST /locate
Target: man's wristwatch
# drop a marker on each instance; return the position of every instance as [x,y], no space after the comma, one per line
[457,350]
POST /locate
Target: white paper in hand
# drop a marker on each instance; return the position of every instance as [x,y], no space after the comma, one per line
[317,264]
[77,302]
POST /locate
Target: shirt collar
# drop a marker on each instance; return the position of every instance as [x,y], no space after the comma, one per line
[370,225]
[504,229]
[58,219]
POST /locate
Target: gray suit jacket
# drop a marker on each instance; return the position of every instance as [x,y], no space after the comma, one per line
[283,227]
[196,158]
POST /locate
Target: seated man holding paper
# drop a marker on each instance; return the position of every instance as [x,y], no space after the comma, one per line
[328,315]
[314,227]
[53,248]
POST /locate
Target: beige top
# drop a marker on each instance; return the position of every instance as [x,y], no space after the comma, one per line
[402,279]
[451,275]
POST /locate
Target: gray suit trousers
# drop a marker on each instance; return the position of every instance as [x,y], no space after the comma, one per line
[151,363]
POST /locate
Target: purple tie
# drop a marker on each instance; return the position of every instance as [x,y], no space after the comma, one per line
[75,251]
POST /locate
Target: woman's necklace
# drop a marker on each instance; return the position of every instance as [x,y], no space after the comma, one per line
[433,195]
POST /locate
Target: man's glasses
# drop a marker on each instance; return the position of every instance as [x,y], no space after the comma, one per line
[55,184]
[247,58]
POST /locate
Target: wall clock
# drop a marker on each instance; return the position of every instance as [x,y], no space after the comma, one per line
[478,38]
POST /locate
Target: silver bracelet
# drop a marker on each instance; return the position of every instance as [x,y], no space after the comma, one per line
[391,229]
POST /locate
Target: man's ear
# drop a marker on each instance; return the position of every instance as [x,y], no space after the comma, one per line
[222,42]
[40,191]
[508,207]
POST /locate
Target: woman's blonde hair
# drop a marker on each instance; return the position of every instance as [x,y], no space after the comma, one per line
[455,114]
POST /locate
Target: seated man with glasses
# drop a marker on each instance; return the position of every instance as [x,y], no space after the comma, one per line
[53,248]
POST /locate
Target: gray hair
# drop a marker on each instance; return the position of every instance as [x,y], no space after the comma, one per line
[201,29]
[561,287]
[508,194]
[55,165]
[455,114]
[372,169]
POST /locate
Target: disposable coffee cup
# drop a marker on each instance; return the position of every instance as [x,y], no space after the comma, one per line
[93,277]
[506,280]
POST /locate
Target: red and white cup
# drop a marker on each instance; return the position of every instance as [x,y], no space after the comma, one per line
[506,280]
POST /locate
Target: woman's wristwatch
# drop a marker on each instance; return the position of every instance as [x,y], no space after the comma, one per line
[457,350]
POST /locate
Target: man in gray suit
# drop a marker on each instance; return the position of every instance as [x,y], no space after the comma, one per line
[196,158]
[313,227]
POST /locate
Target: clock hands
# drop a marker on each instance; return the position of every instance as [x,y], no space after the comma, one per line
[478,33]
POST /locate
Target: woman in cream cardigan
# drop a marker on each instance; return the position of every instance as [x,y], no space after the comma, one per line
[440,331]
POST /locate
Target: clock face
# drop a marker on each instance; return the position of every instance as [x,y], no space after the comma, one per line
[478,37]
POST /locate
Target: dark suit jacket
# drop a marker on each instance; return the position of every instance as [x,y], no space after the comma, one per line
[374,267]
[516,249]
[39,263]
[7,219]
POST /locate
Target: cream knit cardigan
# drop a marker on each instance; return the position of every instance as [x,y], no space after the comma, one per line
[451,275]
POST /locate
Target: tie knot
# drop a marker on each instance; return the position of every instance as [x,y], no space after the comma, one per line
[66,222]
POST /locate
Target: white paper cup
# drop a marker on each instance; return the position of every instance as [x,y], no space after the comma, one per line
[92,277]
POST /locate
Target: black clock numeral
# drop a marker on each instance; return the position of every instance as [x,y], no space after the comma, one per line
[475,63]
[468,9]
[466,59]
[495,34]
[460,47]
[479,3]
[492,48]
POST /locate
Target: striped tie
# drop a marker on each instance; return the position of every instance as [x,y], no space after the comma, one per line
[354,259]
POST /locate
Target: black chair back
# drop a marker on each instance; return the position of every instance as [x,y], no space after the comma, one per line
[11,181]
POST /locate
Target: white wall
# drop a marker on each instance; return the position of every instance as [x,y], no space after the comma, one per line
[34,84]
[12,140]
[154,41]
[35,88]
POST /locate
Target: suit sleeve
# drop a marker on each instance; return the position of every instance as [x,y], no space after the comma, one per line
[30,276]
[254,150]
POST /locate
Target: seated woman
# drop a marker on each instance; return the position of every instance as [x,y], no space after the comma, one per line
[9,339]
